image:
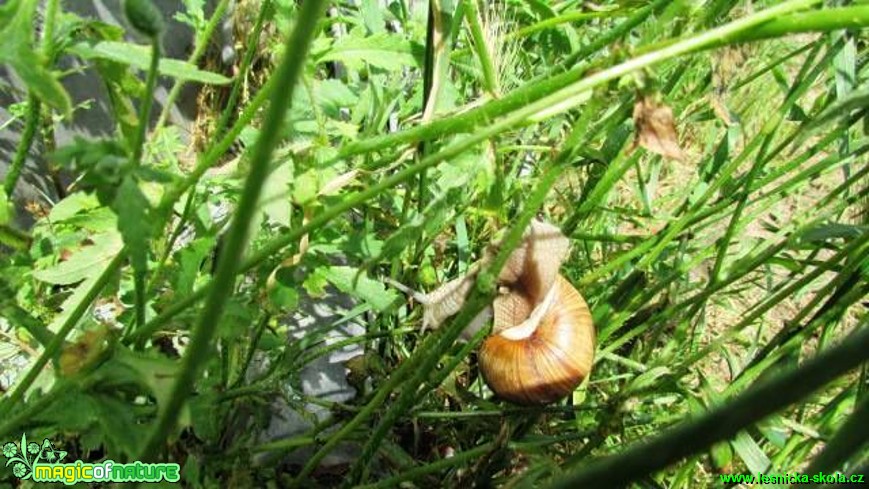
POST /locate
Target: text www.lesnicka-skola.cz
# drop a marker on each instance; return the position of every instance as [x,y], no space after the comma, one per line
[794,478]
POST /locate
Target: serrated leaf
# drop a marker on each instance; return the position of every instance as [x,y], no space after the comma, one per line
[382,50]
[348,280]
[124,435]
[155,373]
[139,57]
[88,262]
[133,211]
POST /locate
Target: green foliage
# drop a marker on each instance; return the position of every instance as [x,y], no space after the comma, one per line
[16,30]
[708,166]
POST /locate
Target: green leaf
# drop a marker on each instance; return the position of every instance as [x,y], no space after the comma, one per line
[750,453]
[123,433]
[350,281]
[134,222]
[88,262]
[275,198]
[72,205]
[832,230]
[382,50]
[331,95]
[190,261]
[307,186]
[138,56]
[16,30]
[148,370]
[284,295]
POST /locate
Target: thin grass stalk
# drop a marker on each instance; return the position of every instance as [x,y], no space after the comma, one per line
[56,343]
[202,40]
[755,404]
[791,237]
[447,463]
[482,48]
[33,117]
[140,274]
[287,75]
[778,345]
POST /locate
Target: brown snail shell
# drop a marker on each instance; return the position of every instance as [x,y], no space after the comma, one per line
[545,357]
[542,342]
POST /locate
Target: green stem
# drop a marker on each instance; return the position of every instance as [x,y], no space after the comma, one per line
[287,75]
[53,348]
[140,273]
[566,18]
[147,103]
[434,467]
[213,155]
[31,123]
[202,40]
[761,400]
[484,53]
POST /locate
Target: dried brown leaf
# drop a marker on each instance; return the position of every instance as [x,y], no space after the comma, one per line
[656,128]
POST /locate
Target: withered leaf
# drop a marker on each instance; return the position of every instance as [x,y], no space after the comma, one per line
[656,129]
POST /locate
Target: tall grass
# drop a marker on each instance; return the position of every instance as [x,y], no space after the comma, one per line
[726,286]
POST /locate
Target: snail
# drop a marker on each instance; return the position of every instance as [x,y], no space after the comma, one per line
[542,342]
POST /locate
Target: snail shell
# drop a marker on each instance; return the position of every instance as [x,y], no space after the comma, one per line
[545,357]
[542,346]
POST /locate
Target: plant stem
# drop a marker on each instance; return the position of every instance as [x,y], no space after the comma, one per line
[484,53]
[287,75]
[761,400]
[31,123]
[147,103]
